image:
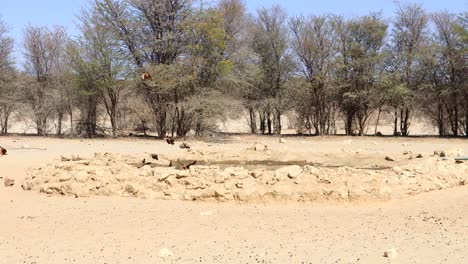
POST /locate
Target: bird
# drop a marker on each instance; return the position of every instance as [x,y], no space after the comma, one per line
[3,151]
[170,141]
[155,156]
[186,167]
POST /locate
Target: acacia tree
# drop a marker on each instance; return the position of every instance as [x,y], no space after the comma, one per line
[8,94]
[448,75]
[153,33]
[102,50]
[409,34]
[361,43]
[44,50]
[313,45]
[270,43]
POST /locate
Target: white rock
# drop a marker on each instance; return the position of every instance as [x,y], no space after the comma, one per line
[81,177]
[207,213]
[65,177]
[260,147]
[165,252]
[291,171]
[282,140]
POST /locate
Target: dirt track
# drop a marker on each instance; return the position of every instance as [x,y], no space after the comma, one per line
[35,228]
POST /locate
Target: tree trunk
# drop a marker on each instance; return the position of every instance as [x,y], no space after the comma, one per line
[395,123]
[278,127]
[404,122]
[377,122]
[349,123]
[262,122]
[252,120]
[440,119]
[269,123]
[60,121]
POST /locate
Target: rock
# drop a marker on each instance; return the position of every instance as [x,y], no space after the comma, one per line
[379,134]
[391,253]
[165,252]
[194,183]
[257,173]
[65,177]
[237,172]
[71,158]
[312,170]
[260,147]
[81,177]
[8,182]
[282,140]
[440,153]
[130,190]
[207,213]
[406,152]
[389,159]
[419,156]
[290,171]
[184,146]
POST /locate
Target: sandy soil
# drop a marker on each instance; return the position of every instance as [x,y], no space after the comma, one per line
[35,228]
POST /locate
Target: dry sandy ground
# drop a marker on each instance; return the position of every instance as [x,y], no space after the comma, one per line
[35,228]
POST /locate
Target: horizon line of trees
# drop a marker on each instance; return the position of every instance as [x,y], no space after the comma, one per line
[175,66]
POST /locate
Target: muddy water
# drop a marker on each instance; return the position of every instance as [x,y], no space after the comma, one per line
[267,164]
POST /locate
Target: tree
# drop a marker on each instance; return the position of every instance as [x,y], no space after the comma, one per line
[409,34]
[153,33]
[44,51]
[361,57]
[270,43]
[8,98]
[315,50]
[101,50]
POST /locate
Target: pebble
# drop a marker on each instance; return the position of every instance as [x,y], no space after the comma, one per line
[165,252]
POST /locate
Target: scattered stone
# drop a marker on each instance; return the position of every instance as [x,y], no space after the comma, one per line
[260,147]
[391,253]
[389,159]
[440,153]
[282,140]
[8,182]
[165,252]
[113,175]
[184,146]
[419,156]
[290,171]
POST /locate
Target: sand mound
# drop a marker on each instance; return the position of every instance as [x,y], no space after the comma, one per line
[141,176]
